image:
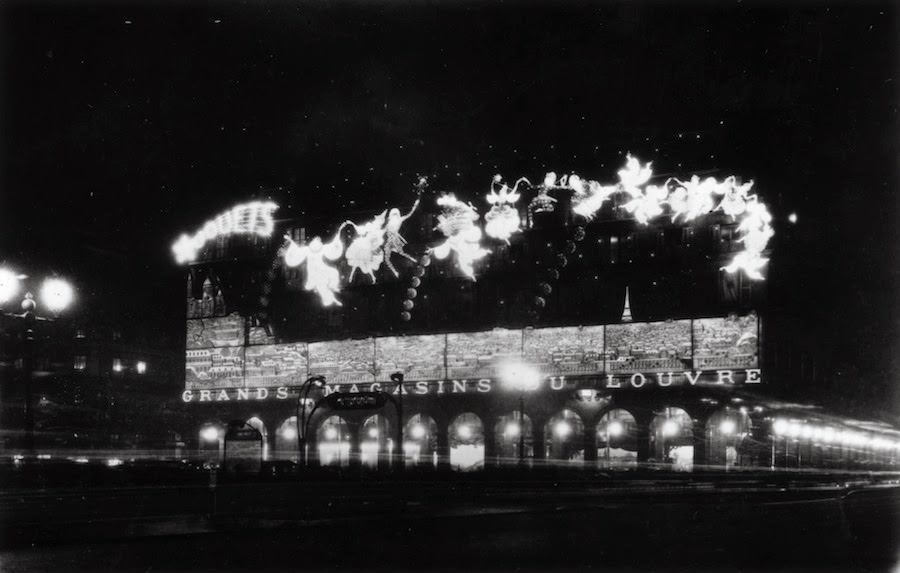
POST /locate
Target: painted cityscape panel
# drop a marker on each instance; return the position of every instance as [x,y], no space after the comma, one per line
[480,354]
[215,332]
[213,368]
[726,342]
[648,346]
[418,357]
[343,361]
[565,351]
[276,365]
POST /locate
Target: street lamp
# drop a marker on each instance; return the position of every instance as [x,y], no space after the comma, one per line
[302,397]
[56,295]
[523,378]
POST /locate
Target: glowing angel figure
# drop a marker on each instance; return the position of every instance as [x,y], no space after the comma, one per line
[457,222]
[365,253]
[393,241]
[647,204]
[749,262]
[634,175]
[320,276]
[503,218]
[597,194]
[734,198]
[693,198]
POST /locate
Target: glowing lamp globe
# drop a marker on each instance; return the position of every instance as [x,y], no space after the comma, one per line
[615,428]
[727,427]
[512,430]
[9,285]
[562,429]
[331,434]
[670,428]
[465,431]
[418,431]
[289,433]
[210,434]
[373,433]
[56,294]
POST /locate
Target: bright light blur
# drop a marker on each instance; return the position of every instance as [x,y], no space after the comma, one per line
[615,428]
[780,427]
[57,294]
[9,285]
[794,429]
[373,432]
[806,432]
[210,434]
[141,367]
[562,429]
[464,431]
[670,428]
[289,433]
[113,462]
[519,376]
[331,434]
[512,430]
[81,460]
[792,218]
[418,431]
[727,427]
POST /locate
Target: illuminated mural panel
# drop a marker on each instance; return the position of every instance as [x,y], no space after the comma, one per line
[565,351]
[480,354]
[215,332]
[418,357]
[343,361]
[648,346]
[726,342]
[276,365]
[208,368]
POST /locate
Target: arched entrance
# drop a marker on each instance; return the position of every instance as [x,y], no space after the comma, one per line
[672,438]
[564,437]
[420,441]
[508,431]
[617,439]
[333,442]
[466,434]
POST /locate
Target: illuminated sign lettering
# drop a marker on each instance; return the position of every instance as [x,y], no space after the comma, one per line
[254,218]
[369,395]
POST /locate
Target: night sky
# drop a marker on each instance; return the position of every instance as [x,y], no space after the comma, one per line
[123,126]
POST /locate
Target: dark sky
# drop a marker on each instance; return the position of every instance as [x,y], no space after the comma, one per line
[123,126]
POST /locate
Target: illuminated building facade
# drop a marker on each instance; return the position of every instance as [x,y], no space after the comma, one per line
[639,341]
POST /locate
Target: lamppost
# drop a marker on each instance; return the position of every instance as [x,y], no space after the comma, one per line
[302,397]
[56,294]
[397,378]
[522,378]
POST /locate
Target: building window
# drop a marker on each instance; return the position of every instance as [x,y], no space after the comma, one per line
[80,363]
[79,334]
[117,365]
[141,367]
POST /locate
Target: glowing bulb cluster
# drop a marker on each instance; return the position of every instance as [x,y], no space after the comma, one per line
[254,218]
[57,294]
[9,285]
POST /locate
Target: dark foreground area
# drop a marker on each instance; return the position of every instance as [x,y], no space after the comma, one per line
[487,521]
